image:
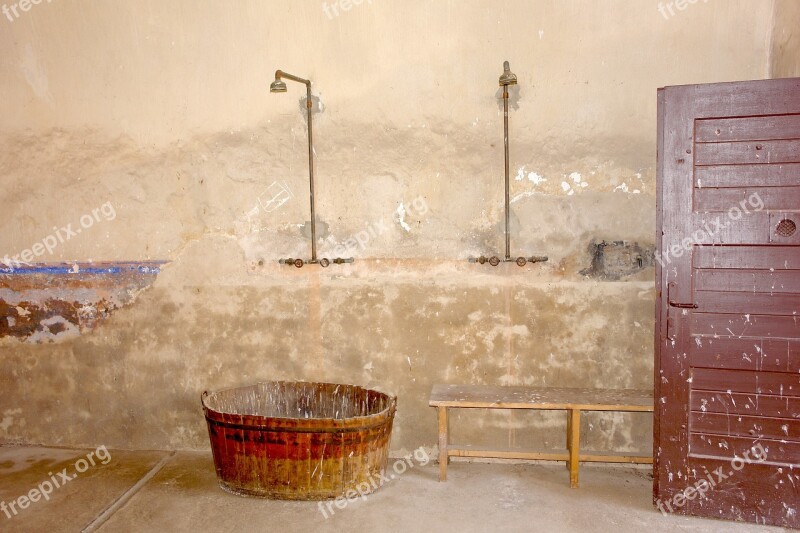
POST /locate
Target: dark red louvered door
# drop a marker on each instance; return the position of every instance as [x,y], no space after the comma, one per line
[727,368]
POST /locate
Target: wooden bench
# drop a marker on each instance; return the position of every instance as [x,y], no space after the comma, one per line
[445,397]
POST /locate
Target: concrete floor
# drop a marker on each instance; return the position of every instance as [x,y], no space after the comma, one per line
[162,491]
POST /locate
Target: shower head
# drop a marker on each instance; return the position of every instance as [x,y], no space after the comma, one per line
[277,86]
[507,78]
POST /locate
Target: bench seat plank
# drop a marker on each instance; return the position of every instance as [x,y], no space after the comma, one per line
[467,450]
[498,397]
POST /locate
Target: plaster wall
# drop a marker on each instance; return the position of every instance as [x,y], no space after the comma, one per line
[162,109]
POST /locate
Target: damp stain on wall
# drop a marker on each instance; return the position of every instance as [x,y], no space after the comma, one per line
[612,261]
[54,302]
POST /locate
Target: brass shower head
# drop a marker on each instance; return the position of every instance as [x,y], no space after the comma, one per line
[508,77]
[277,86]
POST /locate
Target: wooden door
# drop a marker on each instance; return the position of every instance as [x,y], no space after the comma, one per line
[727,367]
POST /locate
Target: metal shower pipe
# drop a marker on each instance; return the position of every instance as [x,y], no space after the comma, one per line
[506,79]
[505,143]
[279,86]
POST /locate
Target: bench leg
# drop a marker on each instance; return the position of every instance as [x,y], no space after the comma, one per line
[443,438]
[573,442]
[569,434]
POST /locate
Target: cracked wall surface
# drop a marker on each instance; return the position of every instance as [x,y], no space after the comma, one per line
[164,111]
[58,302]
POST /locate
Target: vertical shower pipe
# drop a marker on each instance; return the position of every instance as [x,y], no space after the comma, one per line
[505,132]
[278,86]
[279,74]
[311,176]
[506,79]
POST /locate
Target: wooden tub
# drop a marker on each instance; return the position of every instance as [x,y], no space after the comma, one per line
[299,440]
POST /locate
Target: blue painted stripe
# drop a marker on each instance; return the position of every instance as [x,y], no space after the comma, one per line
[147,268]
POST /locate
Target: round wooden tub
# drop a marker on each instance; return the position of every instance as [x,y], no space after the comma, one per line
[298,440]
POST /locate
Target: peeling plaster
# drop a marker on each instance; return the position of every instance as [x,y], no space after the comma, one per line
[401,217]
[35,76]
[8,418]
[52,303]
